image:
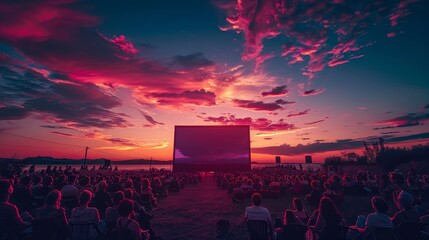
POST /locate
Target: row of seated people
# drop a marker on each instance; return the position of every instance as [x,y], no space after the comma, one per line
[28,198]
[144,188]
[326,223]
[322,183]
[126,219]
[31,190]
[239,193]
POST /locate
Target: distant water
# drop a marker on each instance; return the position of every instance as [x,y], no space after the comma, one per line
[120,166]
[305,166]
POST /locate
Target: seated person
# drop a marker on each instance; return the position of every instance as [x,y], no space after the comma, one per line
[406,213]
[293,229]
[102,199]
[54,213]
[112,213]
[296,186]
[11,223]
[378,219]
[328,191]
[83,215]
[47,186]
[256,212]
[336,184]
[299,211]
[125,222]
[327,218]
[247,185]
[146,192]
[258,218]
[423,207]
[159,188]
[406,218]
[315,194]
[22,195]
[274,185]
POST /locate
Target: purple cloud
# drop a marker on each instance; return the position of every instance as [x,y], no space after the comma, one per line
[315,122]
[409,120]
[299,114]
[277,91]
[312,92]
[257,105]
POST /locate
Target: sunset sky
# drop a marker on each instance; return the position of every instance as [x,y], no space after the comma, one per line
[310,77]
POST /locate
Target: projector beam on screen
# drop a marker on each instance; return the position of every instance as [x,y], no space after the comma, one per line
[211,148]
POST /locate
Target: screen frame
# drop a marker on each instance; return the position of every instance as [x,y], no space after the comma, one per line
[247,127]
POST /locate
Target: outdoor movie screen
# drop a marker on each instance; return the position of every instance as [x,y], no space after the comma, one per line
[208,148]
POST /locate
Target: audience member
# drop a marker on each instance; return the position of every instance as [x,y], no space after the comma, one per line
[406,211]
[11,223]
[125,222]
[52,213]
[299,211]
[102,199]
[86,215]
[256,211]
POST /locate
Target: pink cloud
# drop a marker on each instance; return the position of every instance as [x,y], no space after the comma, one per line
[317,32]
[408,120]
[124,45]
[260,124]
[334,63]
[40,20]
[55,35]
[391,35]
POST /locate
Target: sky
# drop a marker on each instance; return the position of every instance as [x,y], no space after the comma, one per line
[310,77]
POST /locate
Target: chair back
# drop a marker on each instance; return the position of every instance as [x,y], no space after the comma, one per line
[292,232]
[146,200]
[410,230]
[84,231]
[334,232]
[259,229]
[46,230]
[382,233]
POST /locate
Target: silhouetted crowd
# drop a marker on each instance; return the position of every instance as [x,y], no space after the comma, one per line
[61,204]
[406,194]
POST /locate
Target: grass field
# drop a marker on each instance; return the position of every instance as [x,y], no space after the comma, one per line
[192,213]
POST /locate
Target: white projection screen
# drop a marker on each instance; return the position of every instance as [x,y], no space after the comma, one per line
[211,148]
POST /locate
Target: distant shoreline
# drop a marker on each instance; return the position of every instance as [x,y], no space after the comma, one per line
[65,161]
